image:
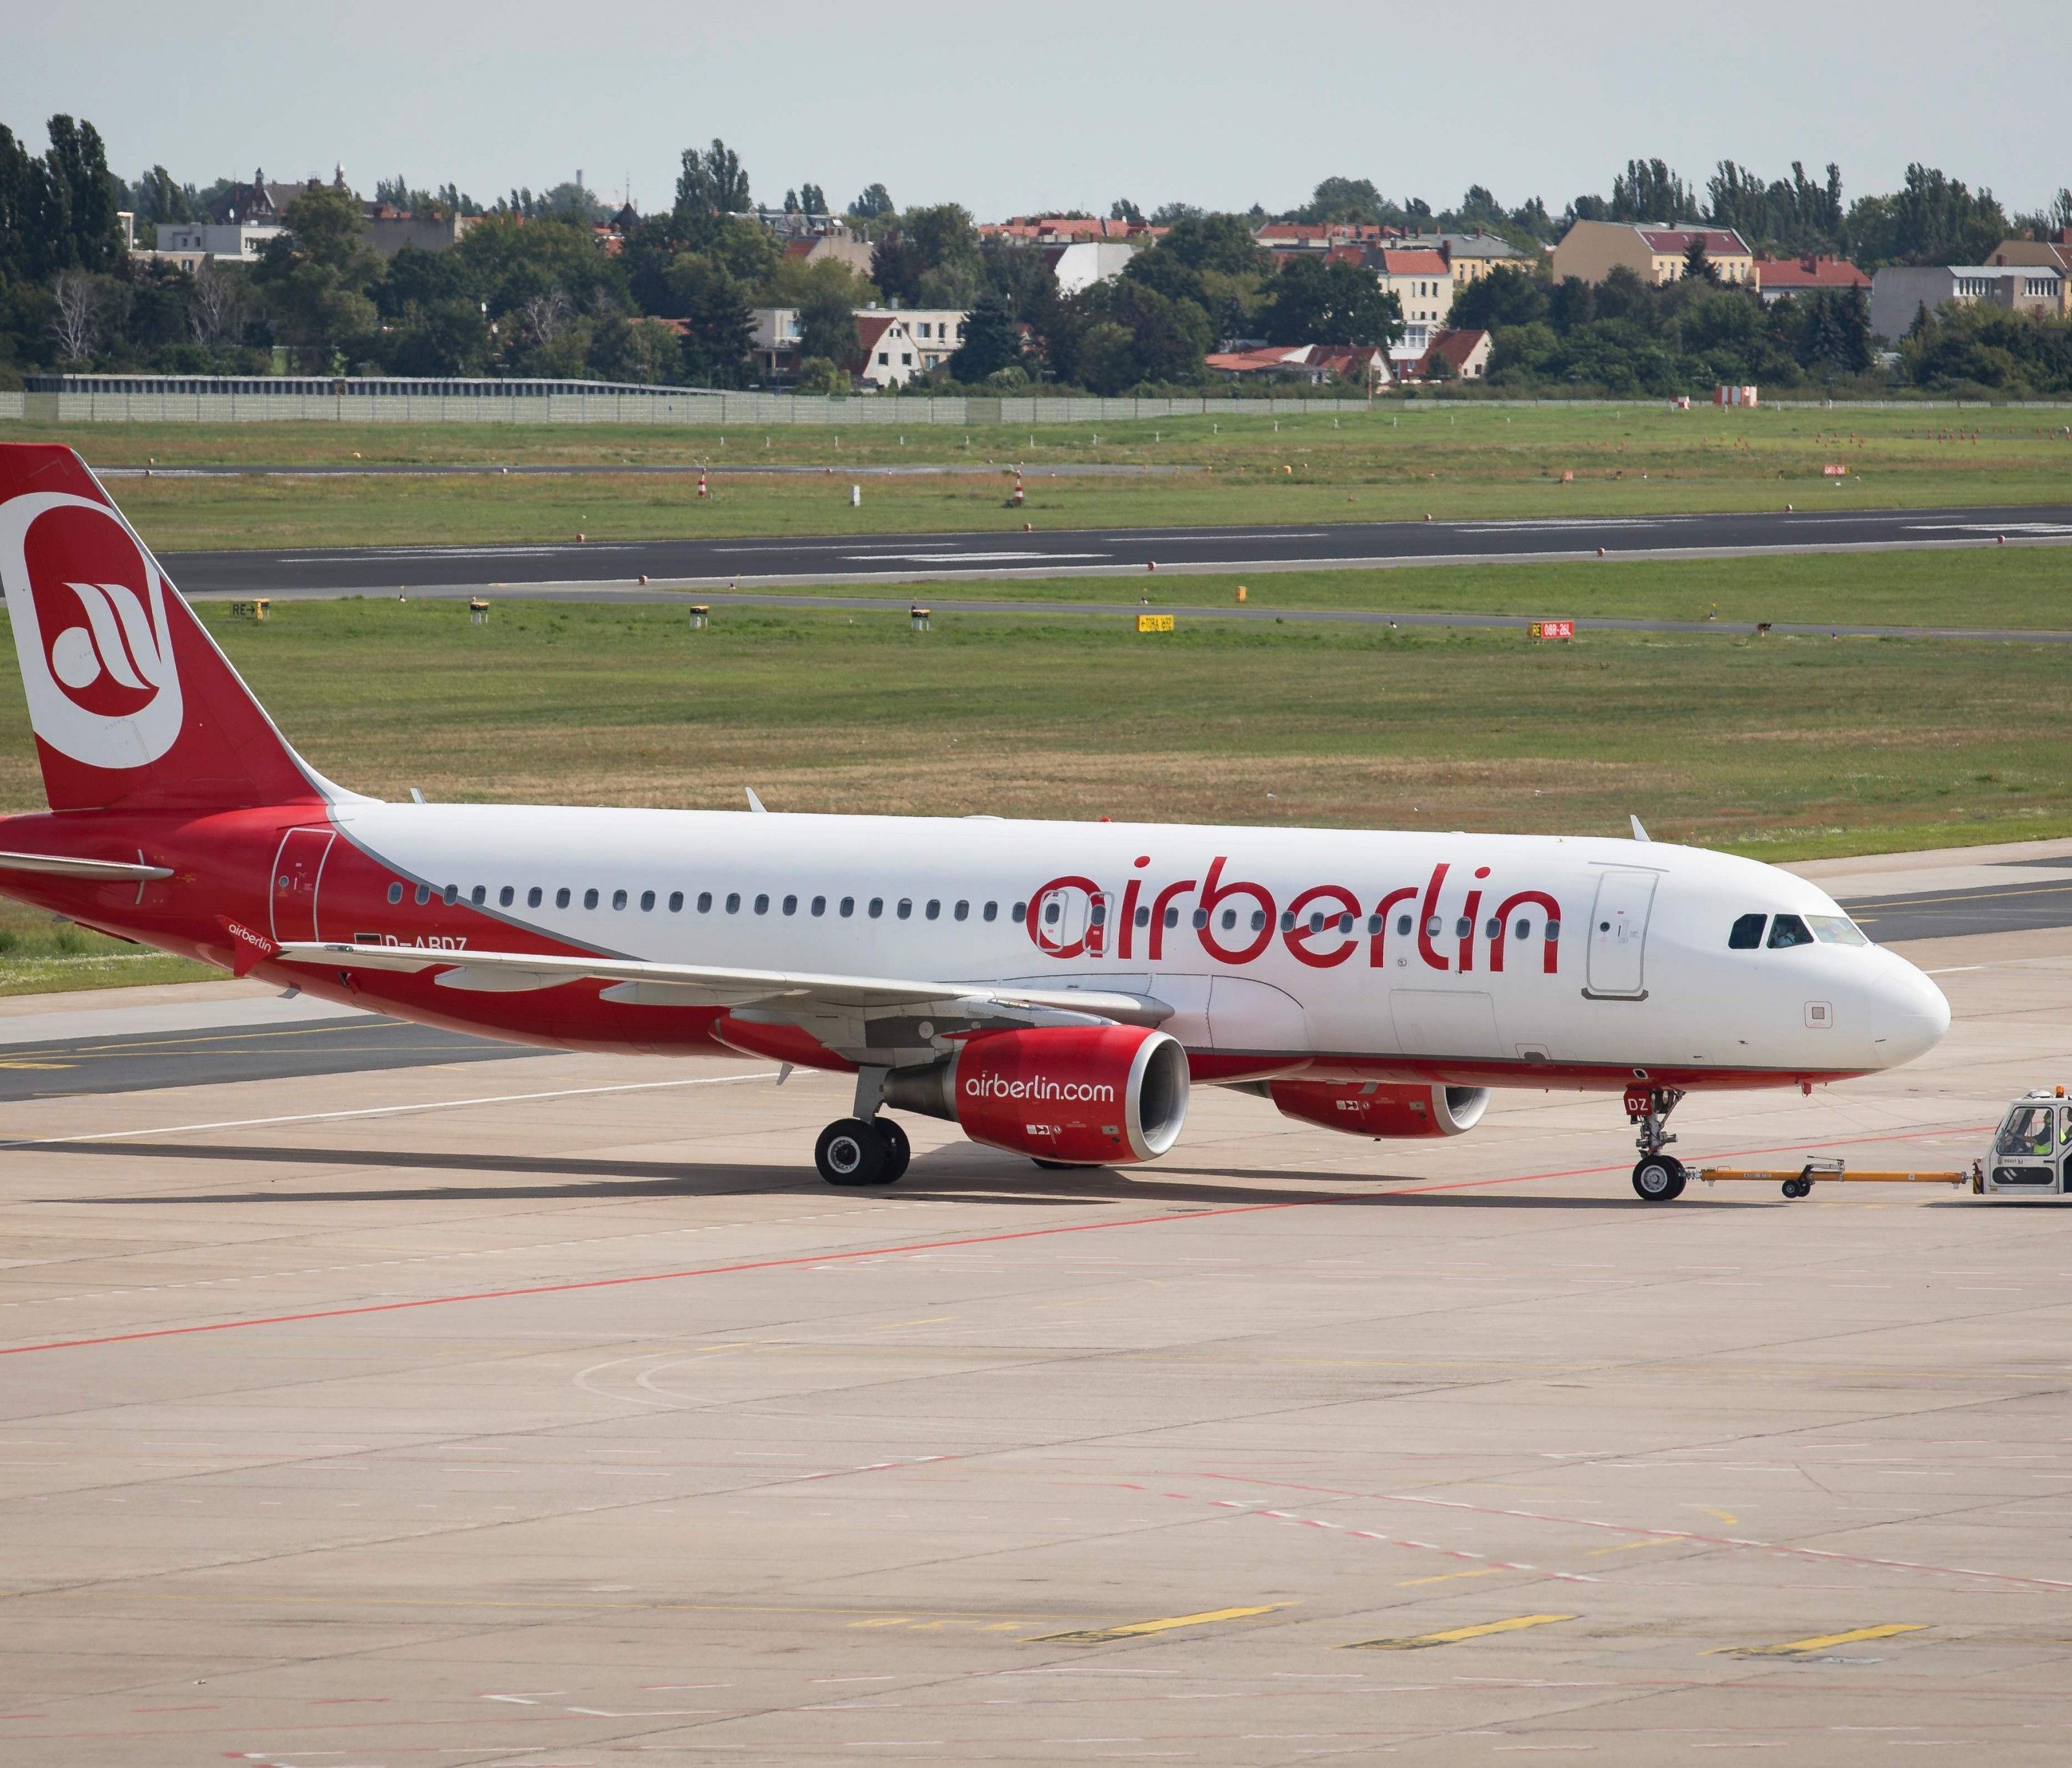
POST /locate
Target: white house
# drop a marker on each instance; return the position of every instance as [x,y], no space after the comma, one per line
[899,343]
[241,240]
[1079,266]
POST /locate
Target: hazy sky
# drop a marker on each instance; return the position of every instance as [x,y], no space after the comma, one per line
[1066,104]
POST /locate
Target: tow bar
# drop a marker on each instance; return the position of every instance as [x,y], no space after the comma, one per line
[1800,1183]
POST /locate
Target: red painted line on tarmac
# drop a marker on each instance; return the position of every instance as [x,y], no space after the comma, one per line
[656,1277]
[876,1252]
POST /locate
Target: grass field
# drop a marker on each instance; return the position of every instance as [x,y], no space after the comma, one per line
[2023,587]
[1399,461]
[1778,746]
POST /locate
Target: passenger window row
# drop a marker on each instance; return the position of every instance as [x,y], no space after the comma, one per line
[564,897]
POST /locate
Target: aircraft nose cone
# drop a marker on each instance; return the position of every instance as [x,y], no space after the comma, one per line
[1912,1013]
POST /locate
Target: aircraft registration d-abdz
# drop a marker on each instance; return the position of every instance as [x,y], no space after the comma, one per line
[1053,989]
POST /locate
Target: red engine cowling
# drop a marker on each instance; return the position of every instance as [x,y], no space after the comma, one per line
[1098,1095]
[1379,1111]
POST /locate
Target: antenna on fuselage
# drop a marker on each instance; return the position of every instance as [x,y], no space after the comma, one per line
[1639,834]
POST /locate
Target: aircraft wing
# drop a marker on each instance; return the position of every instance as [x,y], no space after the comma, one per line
[796,997]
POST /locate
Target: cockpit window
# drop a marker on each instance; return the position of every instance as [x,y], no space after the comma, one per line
[1837,929]
[1747,934]
[1788,930]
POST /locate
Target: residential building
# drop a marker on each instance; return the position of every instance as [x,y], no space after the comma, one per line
[2054,254]
[1358,365]
[1422,282]
[1471,256]
[898,344]
[1081,264]
[1900,291]
[776,343]
[240,241]
[1777,278]
[261,201]
[834,244]
[1465,354]
[1063,229]
[1283,238]
[1655,252]
[389,230]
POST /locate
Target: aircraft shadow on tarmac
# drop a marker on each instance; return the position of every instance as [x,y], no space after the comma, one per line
[1004,1179]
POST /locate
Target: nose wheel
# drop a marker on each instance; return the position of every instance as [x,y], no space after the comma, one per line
[1658,1179]
[863,1151]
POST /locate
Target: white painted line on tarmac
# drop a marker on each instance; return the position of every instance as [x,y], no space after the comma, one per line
[384,1111]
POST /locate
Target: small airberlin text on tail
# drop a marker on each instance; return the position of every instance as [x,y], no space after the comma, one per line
[133,704]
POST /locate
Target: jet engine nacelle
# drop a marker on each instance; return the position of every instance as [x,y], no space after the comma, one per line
[1379,1111]
[1096,1095]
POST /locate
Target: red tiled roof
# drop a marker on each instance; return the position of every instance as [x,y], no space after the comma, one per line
[799,248]
[1058,227]
[1416,261]
[1814,273]
[1456,347]
[871,327]
[1719,242]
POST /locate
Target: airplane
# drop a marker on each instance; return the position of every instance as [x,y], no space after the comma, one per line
[1053,989]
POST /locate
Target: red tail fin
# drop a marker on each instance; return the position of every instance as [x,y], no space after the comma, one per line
[132,703]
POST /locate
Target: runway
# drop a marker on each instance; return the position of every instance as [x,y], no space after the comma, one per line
[553,1413]
[614,567]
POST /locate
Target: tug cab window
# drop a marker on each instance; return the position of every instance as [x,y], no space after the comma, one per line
[1788,930]
[2028,1132]
[1747,935]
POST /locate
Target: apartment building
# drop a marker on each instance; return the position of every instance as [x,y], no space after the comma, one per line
[1655,252]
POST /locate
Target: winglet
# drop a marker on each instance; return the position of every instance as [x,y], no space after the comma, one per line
[1639,834]
[755,804]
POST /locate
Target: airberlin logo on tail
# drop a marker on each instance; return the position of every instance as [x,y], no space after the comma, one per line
[88,611]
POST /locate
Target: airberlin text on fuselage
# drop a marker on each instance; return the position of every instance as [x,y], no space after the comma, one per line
[1323,926]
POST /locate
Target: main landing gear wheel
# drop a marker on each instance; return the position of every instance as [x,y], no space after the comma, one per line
[1798,1188]
[852,1152]
[1658,1179]
[898,1150]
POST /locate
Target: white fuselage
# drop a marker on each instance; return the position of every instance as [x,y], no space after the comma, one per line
[1430,951]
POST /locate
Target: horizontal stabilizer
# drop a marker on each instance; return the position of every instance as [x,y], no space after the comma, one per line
[113,871]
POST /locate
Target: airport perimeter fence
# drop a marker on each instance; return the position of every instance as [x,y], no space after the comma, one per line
[119,399]
[145,399]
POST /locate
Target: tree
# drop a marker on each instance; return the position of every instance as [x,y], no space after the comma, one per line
[159,199]
[1122,209]
[1314,303]
[79,170]
[1503,297]
[643,352]
[819,375]
[447,337]
[719,329]
[215,304]
[812,199]
[1933,219]
[990,344]
[315,275]
[1697,267]
[1647,190]
[713,182]
[791,202]
[931,258]
[1349,199]
[18,173]
[827,324]
[76,323]
[875,204]
[1834,335]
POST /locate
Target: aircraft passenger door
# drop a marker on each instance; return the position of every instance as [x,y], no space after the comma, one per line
[1061,919]
[297,871]
[1618,936]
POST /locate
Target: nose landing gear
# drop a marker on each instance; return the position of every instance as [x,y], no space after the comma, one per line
[1658,1177]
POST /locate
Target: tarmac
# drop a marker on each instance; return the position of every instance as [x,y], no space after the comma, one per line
[553,1412]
